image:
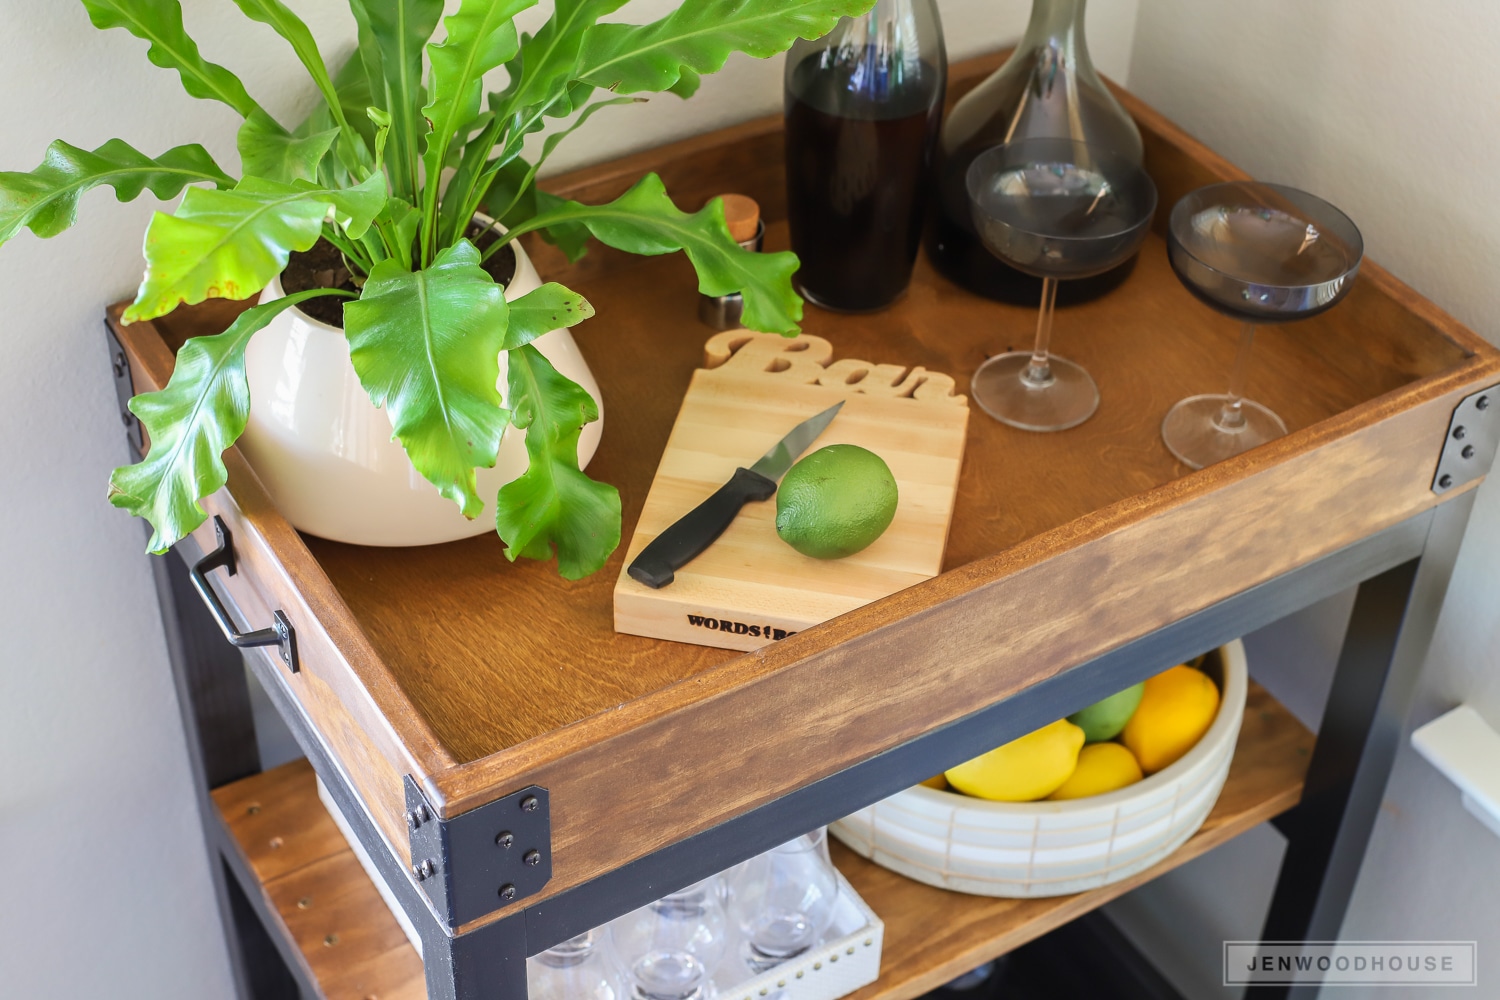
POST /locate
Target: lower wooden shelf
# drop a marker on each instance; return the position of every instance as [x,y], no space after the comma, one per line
[313,884]
[352,947]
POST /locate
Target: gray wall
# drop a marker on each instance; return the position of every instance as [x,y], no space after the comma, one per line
[1388,108]
[106,890]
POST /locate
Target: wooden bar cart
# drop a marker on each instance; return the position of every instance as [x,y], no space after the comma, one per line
[443,694]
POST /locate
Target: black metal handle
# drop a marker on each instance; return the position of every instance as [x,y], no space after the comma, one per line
[685,540]
[280,634]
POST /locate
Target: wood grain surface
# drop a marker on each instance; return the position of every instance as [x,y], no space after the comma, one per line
[350,944]
[317,886]
[750,588]
[481,676]
[428,610]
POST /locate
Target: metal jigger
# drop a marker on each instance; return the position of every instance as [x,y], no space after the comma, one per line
[749,229]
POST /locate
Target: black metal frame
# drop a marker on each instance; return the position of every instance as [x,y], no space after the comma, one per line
[1402,574]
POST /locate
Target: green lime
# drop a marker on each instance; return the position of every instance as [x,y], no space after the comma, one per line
[835,501]
[1103,720]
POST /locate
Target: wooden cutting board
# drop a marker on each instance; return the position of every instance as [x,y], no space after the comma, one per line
[750,588]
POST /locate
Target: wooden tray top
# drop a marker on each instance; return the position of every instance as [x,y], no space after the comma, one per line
[479,677]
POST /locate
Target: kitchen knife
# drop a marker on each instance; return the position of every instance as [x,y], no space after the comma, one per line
[696,530]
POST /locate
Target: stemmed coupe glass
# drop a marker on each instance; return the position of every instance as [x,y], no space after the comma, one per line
[1262,253]
[1055,209]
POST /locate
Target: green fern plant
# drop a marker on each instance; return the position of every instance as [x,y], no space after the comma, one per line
[428,323]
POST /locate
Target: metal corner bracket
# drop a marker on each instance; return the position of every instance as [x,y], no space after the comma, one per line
[484,859]
[1469,447]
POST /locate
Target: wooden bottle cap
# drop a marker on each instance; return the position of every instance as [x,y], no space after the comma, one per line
[743,216]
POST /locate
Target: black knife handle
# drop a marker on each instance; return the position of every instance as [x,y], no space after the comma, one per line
[696,530]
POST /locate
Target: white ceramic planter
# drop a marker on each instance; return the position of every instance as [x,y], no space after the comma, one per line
[1026,849]
[325,452]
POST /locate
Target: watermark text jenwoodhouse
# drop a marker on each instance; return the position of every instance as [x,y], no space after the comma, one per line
[1348,963]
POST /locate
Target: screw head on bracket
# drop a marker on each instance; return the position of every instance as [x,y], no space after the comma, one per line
[1468,451]
[530,804]
[422,871]
[412,819]
[1460,432]
[1445,480]
[505,838]
[1482,403]
[532,858]
[507,891]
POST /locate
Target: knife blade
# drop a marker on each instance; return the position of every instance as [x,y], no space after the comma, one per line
[696,530]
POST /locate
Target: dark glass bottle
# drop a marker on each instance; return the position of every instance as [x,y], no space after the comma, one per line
[1047,89]
[863,105]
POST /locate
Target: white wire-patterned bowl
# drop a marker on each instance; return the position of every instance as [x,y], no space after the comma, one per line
[1025,849]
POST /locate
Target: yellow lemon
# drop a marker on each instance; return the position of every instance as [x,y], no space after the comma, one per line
[1102,767]
[1176,709]
[1025,769]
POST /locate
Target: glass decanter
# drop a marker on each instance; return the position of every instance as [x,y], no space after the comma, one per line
[1048,89]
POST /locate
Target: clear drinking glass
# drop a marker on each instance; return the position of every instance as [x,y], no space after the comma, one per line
[783,900]
[1261,253]
[669,948]
[577,969]
[1056,209]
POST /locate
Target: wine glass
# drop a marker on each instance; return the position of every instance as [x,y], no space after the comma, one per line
[1054,209]
[783,900]
[668,949]
[1262,253]
[573,970]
